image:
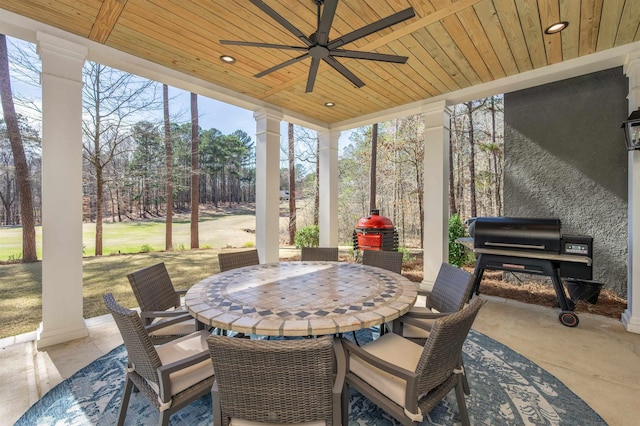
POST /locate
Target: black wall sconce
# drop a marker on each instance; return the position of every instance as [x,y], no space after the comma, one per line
[632,130]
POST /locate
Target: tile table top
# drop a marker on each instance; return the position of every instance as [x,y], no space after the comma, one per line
[300,298]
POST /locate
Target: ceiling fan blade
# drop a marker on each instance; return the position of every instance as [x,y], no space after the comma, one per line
[371,56]
[313,72]
[324,26]
[282,65]
[279,19]
[344,71]
[256,44]
[372,28]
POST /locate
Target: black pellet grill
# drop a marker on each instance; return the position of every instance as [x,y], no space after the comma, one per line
[533,246]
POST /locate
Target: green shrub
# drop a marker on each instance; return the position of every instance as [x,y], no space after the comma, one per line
[406,256]
[458,255]
[307,237]
[146,248]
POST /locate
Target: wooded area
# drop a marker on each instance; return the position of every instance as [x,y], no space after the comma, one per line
[135,152]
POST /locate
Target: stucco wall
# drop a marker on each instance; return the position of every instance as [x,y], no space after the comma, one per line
[565,157]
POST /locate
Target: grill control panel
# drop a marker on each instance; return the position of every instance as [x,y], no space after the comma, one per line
[575,248]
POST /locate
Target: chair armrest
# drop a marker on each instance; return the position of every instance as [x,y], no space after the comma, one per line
[424,313]
[163,314]
[174,320]
[165,370]
[352,348]
[181,292]
[422,292]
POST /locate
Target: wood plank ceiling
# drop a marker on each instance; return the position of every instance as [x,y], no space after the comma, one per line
[450,44]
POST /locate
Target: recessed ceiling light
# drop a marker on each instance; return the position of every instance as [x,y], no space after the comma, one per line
[329,104]
[556,28]
[228,59]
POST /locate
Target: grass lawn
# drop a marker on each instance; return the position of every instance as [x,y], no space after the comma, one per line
[21,302]
[124,237]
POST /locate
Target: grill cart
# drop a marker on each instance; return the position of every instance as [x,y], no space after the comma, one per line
[533,246]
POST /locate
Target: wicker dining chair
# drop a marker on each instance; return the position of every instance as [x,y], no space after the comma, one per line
[450,292]
[160,303]
[408,380]
[277,381]
[171,376]
[390,260]
[326,254]
[238,259]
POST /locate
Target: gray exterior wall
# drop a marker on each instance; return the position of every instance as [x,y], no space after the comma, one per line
[565,158]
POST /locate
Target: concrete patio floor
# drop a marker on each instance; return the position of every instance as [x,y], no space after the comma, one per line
[598,360]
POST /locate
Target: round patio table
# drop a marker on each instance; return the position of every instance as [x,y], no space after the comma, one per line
[300,298]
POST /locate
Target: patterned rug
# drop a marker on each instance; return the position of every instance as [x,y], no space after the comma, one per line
[506,389]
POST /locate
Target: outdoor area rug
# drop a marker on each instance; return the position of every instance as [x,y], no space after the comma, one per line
[506,389]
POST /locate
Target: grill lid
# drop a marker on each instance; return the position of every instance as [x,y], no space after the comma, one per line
[512,233]
[374,221]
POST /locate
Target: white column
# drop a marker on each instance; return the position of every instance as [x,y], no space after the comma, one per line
[62,301]
[268,184]
[436,190]
[631,317]
[328,214]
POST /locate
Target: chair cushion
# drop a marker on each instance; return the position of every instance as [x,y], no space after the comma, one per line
[182,348]
[395,350]
[242,422]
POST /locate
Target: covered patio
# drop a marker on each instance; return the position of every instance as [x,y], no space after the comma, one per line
[597,360]
[457,51]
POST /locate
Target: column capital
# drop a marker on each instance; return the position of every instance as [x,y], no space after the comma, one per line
[61,58]
[436,114]
[632,62]
[268,114]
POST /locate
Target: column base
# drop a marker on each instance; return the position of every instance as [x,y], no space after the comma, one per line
[52,337]
[631,323]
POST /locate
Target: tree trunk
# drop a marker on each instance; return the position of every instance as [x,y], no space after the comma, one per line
[169,165]
[472,161]
[292,187]
[452,192]
[494,151]
[19,158]
[316,196]
[374,161]
[195,187]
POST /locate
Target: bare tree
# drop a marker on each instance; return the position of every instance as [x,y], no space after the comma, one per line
[195,184]
[113,100]
[169,168]
[19,158]
[292,186]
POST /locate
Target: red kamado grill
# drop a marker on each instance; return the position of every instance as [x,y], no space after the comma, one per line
[533,246]
[375,232]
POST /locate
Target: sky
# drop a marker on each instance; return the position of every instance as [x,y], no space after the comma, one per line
[224,117]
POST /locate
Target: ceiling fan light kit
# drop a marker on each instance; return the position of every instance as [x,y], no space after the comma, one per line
[318,47]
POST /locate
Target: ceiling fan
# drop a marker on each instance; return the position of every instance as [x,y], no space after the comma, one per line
[319,47]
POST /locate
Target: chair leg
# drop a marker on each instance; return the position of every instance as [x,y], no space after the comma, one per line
[465,381]
[164,418]
[345,405]
[462,405]
[124,403]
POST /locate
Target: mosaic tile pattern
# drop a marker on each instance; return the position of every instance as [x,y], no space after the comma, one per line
[300,298]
